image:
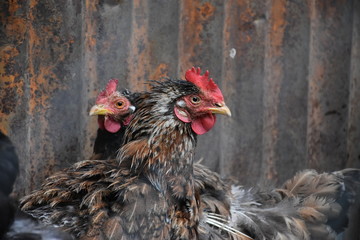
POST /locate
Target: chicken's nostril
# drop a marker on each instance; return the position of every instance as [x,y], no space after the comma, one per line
[219,104]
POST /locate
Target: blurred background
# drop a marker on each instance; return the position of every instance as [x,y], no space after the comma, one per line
[289,71]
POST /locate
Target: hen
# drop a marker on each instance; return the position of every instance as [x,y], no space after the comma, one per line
[156,193]
[114,111]
[149,192]
[272,214]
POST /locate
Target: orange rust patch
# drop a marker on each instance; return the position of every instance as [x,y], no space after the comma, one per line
[193,20]
[7,55]
[236,31]
[15,25]
[90,39]
[13,6]
[247,22]
[41,65]
[11,87]
[206,10]
[10,90]
[278,24]
[161,71]
[274,79]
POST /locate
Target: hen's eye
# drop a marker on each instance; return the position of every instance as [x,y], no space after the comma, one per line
[119,104]
[195,99]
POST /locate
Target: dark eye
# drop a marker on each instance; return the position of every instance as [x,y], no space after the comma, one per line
[195,99]
[119,104]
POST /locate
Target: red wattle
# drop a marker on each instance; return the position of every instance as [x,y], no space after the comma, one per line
[111,125]
[203,124]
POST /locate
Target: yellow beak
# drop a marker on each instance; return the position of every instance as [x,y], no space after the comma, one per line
[221,109]
[99,110]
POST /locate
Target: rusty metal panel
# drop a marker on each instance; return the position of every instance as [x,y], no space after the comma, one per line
[285,90]
[13,89]
[289,71]
[163,34]
[329,65]
[353,138]
[43,124]
[353,125]
[242,81]
[106,33]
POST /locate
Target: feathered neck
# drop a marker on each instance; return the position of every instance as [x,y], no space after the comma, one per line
[156,138]
[160,147]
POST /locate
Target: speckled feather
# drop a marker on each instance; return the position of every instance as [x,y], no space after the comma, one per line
[147,193]
[307,206]
[152,191]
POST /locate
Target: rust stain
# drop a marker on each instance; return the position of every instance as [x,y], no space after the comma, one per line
[191,27]
[90,40]
[11,86]
[278,25]
[274,72]
[238,31]
[235,35]
[15,24]
[138,61]
[17,27]
[46,50]
[43,81]
[161,71]
[247,17]
[315,116]
[90,31]
[7,72]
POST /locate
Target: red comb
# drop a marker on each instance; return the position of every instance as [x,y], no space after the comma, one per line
[110,88]
[205,83]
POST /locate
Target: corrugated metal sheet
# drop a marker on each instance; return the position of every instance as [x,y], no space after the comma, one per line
[289,70]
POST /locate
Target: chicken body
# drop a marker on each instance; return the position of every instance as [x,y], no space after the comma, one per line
[270,214]
[153,190]
[114,111]
[148,193]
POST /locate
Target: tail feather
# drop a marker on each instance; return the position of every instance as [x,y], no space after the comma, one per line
[317,209]
[309,182]
[308,206]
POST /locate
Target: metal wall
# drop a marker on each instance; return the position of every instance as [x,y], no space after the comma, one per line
[289,71]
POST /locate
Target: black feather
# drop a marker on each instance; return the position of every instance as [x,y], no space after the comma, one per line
[9,168]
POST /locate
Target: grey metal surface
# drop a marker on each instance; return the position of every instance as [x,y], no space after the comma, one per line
[289,71]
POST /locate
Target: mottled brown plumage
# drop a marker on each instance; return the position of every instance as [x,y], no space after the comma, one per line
[148,193]
[303,208]
[153,191]
[308,206]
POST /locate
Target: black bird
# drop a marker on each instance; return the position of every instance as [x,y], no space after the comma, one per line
[9,168]
[114,110]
